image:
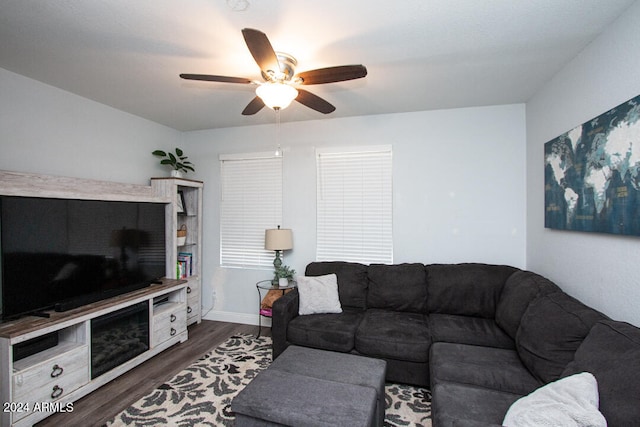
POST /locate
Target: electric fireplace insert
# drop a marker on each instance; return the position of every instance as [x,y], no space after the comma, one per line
[118,337]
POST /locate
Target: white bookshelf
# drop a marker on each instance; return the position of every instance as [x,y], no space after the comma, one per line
[185,210]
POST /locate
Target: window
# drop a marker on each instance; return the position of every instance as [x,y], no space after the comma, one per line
[354,205]
[251,203]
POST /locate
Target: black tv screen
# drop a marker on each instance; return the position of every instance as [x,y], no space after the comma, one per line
[60,254]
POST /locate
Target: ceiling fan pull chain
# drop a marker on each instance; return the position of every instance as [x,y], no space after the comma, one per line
[278,152]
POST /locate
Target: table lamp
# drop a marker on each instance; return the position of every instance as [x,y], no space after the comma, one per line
[278,239]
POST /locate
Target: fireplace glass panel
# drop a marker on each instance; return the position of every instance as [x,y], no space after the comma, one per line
[118,337]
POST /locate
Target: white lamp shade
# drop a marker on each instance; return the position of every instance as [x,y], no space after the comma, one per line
[276,95]
[278,239]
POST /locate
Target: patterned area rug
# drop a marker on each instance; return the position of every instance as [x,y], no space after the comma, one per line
[201,394]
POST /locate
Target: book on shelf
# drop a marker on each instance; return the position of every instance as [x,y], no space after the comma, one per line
[184,268]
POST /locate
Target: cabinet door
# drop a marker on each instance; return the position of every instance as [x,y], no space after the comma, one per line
[193,301]
[51,380]
[169,324]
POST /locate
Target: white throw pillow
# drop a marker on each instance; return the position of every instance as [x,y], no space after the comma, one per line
[570,401]
[318,294]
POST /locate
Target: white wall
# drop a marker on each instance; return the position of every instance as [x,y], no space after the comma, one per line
[601,270]
[458,181]
[458,174]
[47,130]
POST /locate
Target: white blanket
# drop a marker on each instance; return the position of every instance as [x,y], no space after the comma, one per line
[568,402]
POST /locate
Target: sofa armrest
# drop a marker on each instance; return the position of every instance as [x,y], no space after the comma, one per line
[285,309]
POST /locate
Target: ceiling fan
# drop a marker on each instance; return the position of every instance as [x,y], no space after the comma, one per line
[280,79]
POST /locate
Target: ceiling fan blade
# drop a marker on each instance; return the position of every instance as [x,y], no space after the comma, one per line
[212,78]
[253,107]
[332,74]
[261,50]
[314,102]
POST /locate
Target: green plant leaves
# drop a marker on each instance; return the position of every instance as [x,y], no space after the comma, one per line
[178,161]
[285,272]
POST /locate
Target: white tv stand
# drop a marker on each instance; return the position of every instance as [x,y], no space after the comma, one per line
[50,380]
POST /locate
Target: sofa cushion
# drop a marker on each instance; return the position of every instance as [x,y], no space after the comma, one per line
[352,280]
[399,287]
[455,404]
[318,294]
[326,331]
[468,330]
[466,289]
[494,368]
[551,331]
[394,335]
[520,289]
[611,352]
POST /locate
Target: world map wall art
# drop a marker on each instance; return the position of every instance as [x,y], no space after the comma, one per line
[592,174]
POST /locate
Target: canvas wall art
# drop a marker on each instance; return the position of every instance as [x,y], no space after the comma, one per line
[592,174]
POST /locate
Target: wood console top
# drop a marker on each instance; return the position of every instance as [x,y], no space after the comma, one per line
[27,324]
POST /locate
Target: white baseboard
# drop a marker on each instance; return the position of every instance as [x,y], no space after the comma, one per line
[244,318]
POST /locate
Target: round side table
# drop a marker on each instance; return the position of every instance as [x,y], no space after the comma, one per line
[267,285]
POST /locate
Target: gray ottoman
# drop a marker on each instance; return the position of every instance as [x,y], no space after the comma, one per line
[310,387]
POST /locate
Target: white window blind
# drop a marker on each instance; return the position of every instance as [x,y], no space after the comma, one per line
[251,203]
[354,205]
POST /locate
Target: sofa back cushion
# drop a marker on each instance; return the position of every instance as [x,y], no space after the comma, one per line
[611,352]
[521,288]
[398,287]
[352,281]
[466,289]
[551,330]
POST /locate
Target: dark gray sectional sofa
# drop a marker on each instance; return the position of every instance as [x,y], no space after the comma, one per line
[479,336]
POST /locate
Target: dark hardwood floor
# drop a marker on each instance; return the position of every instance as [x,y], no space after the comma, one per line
[103,404]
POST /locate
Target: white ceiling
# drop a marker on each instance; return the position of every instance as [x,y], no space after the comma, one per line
[420,54]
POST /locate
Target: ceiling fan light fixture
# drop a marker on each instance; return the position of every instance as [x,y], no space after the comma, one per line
[278,71]
[276,95]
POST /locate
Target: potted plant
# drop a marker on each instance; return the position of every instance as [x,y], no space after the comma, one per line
[283,272]
[177,161]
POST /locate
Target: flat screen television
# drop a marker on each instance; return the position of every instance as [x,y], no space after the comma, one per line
[60,254]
